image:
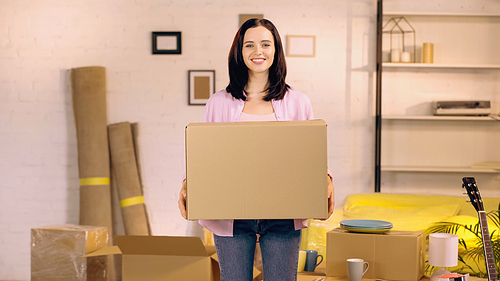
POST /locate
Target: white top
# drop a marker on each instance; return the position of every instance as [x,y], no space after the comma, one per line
[245,117]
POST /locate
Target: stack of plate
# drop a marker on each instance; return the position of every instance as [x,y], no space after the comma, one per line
[366,226]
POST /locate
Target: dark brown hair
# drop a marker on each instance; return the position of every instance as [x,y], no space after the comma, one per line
[238,71]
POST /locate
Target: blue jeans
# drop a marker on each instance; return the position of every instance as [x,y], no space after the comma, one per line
[279,243]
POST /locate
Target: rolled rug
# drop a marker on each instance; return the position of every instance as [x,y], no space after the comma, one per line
[126,175]
[88,88]
[135,138]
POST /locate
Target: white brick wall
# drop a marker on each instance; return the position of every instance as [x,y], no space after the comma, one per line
[41,40]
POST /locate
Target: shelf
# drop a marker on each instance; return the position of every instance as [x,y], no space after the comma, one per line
[431,169]
[440,65]
[438,14]
[439,118]
[462,68]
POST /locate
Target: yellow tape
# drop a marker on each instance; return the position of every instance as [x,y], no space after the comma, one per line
[132,201]
[94,181]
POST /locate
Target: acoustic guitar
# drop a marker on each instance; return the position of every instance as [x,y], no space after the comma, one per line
[475,199]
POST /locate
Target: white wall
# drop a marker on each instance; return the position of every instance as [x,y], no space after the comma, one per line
[41,40]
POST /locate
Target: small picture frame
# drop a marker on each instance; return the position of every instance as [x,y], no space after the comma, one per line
[201,86]
[167,43]
[301,46]
[245,17]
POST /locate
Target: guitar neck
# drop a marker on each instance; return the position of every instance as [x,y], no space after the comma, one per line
[488,249]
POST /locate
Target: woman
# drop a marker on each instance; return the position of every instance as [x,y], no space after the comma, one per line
[257,91]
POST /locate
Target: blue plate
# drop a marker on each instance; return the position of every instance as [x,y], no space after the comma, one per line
[366,226]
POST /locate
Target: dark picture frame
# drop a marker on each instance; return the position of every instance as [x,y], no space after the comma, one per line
[201,86]
[167,43]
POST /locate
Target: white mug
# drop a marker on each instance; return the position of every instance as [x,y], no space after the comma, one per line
[355,269]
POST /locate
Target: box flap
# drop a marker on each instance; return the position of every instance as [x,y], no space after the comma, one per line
[211,251]
[160,245]
[111,250]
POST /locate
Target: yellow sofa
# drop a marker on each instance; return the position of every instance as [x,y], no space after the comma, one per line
[406,212]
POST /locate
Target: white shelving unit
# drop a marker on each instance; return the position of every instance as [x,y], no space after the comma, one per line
[437,65]
[441,118]
[430,169]
[439,14]
[439,143]
[416,144]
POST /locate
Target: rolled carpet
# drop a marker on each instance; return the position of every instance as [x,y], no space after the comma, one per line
[88,88]
[124,165]
[135,138]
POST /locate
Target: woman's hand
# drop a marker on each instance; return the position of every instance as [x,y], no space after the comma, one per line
[331,196]
[182,200]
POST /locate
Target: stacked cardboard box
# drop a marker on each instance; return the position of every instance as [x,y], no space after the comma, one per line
[394,255]
[57,250]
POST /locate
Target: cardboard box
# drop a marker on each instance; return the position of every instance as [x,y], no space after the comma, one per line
[57,250]
[257,170]
[155,258]
[392,255]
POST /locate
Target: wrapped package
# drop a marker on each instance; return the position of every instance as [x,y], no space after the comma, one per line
[57,250]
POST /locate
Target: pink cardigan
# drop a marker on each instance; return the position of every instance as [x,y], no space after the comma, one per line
[222,107]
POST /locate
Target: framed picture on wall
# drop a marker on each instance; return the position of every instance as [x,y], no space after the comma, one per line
[201,86]
[245,17]
[301,46]
[167,43]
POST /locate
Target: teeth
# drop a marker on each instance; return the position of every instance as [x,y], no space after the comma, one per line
[258,60]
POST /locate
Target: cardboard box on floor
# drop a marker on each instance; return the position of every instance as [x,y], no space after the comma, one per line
[56,252]
[257,170]
[155,258]
[395,255]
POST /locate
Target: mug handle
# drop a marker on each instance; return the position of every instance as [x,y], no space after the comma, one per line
[367,266]
[318,263]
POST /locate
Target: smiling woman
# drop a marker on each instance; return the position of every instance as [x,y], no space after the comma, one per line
[257,91]
[257,30]
[258,50]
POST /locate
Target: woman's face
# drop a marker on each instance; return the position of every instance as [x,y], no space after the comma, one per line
[258,49]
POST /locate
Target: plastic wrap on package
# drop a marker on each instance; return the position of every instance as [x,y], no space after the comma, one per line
[314,236]
[57,250]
